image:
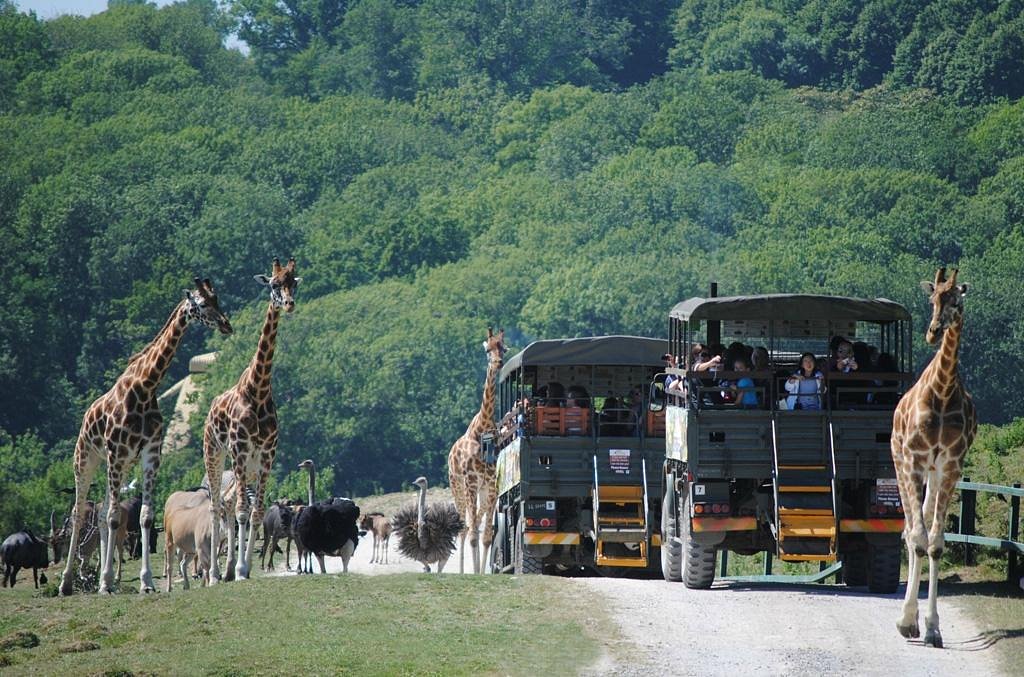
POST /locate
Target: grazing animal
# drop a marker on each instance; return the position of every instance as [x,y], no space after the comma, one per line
[427,535]
[132,512]
[89,538]
[933,427]
[124,425]
[380,526]
[473,482]
[243,423]
[187,534]
[296,507]
[329,527]
[22,550]
[277,524]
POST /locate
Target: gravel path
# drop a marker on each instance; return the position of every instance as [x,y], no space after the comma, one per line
[745,629]
[741,629]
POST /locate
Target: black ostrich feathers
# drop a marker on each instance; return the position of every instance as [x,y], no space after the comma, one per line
[326,527]
[443,524]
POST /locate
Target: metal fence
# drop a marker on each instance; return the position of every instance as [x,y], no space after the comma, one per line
[968,517]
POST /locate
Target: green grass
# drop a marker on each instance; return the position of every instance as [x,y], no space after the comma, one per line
[996,606]
[351,624]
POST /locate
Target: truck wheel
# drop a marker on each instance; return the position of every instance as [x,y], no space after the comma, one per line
[698,559]
[524,563]
[855,568]
[671,547]
[884,568]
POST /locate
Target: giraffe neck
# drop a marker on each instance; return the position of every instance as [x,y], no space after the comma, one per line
[484,419]
[944,375]
[148,366]
[256,378]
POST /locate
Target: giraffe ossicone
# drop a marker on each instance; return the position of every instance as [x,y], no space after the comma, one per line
[123,425]
[933,427]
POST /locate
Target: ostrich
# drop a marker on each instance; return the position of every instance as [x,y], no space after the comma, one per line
[326,528]
[427,535]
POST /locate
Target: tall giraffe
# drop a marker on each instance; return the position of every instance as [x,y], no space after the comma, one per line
[472,481]
[125,423]
[243,422]
[932,429]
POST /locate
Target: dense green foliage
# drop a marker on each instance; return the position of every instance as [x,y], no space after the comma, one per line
[554,167]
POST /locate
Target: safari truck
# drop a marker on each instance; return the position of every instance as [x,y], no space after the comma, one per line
[806,477]
[578,451]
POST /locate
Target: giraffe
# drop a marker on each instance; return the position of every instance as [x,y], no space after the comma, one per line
[243,422]
[933,427]
[125,423]
[471,480]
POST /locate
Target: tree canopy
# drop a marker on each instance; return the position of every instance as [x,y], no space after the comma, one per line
[558,168]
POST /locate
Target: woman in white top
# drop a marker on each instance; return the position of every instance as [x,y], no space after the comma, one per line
[805,385]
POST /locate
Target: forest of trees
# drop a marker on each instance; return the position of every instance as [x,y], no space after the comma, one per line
[554,167]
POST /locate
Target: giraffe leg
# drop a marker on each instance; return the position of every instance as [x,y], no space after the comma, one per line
[474,531]
[945,481]
[242,513]
[256,516]
[150,466]
[913,511]
[214,472]
[490,499]
[85,467]
[109,521]
[457,483]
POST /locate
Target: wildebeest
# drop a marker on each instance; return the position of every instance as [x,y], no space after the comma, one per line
[277,524]
[131,510]
[22,550]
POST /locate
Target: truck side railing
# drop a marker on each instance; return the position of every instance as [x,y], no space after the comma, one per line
[965,532]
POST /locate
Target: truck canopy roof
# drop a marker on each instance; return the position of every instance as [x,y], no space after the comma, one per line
[590,350]
[790,307]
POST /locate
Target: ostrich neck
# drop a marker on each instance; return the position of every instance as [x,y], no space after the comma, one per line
[421,524]
[312,485]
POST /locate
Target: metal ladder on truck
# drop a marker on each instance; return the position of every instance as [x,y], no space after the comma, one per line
[620,516]
[806,526]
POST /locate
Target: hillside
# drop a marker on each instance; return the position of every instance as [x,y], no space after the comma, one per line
[556,168]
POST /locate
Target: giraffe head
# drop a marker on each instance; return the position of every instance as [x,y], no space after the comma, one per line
[947,299]
[494,346]
[202,305]
[282,282]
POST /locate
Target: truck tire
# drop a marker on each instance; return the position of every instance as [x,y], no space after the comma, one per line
[884,568]
[524,563]
[671,547]
[855,568]
[698,559]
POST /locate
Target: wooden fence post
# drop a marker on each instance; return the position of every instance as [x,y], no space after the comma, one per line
[968,512]
[768,563]
[1011,558]
[725,563]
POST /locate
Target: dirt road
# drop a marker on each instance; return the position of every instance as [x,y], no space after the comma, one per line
[745,629]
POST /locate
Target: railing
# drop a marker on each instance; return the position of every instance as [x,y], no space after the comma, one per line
[968,516]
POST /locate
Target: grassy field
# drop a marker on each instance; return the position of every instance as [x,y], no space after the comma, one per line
[413,624]
[995,605]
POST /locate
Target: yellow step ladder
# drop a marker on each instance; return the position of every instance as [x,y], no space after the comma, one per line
[620,517]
